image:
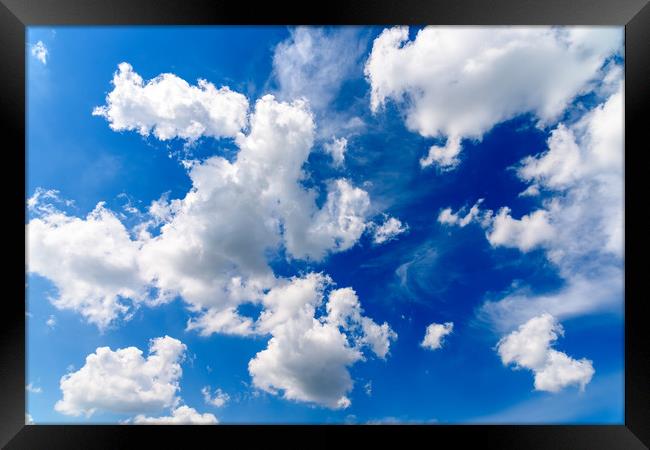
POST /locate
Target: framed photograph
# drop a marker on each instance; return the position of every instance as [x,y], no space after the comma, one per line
[384,220]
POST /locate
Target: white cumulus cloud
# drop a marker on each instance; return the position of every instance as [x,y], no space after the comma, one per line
[526,233]
[169,107]
[308,358]
[530,347]
[124,381]
[459,82]
[435,333]
[92,261]
[183,415]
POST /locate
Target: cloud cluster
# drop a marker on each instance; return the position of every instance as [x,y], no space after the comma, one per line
[212,251]
[530,347]
[308,357]
[213,244]
[458,82]
[169,107]
[435,333]
[581,225]
[211,248]
[122,381]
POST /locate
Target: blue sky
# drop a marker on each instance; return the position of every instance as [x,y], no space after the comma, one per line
[530,278]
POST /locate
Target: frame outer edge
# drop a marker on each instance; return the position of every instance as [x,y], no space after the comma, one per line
[440,12]
[12,35]
[12,331]
[637,352]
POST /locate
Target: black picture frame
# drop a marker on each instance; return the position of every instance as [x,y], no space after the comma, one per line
[16,15]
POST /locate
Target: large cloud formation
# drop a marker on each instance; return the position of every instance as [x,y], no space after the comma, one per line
[213,244]
[457,83]
[122,381]
[307,357]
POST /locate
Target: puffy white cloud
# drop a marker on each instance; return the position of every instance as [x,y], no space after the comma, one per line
[169,107]
[526,233]
[458,82]
[307,358]
[220,398]
[51,321]
[560,165]
[91,261]
[530,347]
[447,217]
[297,297]
[123,381]
[336,149]
[445,156]
[389,230]
[183,415]
[435,333]
[344,310]
[40,52]
[29,420]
